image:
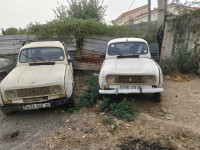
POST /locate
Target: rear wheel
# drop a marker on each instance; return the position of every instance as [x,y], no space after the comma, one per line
[157,97]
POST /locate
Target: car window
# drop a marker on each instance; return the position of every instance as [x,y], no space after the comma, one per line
[41,54]
[126,48]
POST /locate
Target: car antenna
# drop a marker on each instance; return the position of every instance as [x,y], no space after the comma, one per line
[24,42]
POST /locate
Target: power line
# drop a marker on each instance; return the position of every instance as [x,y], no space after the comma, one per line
[131,5]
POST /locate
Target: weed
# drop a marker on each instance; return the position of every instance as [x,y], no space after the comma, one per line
[113,129]
[105,104]
[91,94]
[122,110]
[107,121]
[72,109]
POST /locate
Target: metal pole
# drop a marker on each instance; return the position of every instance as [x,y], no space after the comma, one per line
[149,10]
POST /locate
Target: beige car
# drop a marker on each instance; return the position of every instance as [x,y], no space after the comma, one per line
[42,78]
[129,69]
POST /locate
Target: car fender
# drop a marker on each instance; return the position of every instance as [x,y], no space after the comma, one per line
[1,99]
[102,80]
[160,75]
[68,81]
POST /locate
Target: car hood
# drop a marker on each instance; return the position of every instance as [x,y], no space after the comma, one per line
[138,66]
[34,76]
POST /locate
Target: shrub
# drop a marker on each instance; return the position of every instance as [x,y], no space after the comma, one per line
[91,94]
[122,110]
[167,65]
[105,104]
[183,61]
[11,31]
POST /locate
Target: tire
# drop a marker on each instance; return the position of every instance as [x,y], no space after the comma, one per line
[157,97]
[3,75]
[71,102]
[5,112]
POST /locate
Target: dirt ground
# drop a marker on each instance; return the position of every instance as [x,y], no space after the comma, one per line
[171,124]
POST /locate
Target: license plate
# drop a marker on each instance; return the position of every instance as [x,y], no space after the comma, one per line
[130,86]
[36,106]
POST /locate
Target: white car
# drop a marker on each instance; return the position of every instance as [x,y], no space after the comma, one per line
[43,77]
[128,68]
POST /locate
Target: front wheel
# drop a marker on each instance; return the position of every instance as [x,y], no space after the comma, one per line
[3,75]
[71,102]
[157,97]
[5,112]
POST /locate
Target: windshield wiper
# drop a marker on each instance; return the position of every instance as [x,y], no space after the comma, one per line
[128,56]
[42,59]
[29,57]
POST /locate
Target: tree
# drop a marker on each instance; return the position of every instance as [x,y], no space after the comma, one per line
[81,9]
[10,31]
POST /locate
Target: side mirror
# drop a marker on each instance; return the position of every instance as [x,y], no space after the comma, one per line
[70,60]
[103,56]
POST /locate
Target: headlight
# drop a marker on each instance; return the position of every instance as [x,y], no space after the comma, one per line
[150,79]
[56,90]
[111,79]
[11,94]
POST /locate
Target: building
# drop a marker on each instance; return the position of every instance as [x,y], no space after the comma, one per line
[140,14]
[129,16]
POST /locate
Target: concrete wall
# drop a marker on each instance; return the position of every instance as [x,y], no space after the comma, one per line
[168,41]
[193,40]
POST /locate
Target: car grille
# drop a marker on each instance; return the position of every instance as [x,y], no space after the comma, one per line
[33,92]
[130,79]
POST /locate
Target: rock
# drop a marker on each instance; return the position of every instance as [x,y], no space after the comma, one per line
[84,136]
[119,125]
[169,116]
[112,126]
[181,138]
[62,111]
[14,134]
[169,138]
[103,113]
[128,125]
[160,113]
[164,110]
[67,121]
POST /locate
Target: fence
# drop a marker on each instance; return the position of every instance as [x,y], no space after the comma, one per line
[86,59]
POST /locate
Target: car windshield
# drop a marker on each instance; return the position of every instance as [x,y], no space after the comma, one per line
[41,54]
[127,48]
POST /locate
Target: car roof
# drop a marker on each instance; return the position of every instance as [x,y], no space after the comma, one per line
[127,40]
[43,44]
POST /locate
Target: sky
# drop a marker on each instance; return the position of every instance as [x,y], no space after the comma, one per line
[19,13]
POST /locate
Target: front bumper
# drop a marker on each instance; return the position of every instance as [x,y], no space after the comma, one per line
[55,102]
[129,91]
